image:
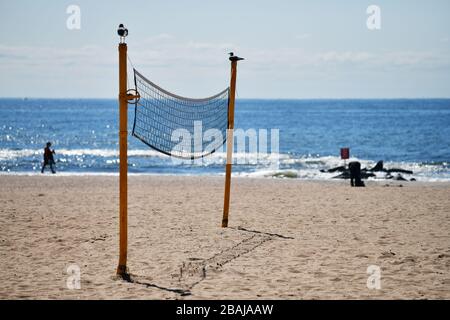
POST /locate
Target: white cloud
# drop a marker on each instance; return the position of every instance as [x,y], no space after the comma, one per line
[209,45]
[303,36]
[171,53]
[195,68]
[52,57]
[299,58]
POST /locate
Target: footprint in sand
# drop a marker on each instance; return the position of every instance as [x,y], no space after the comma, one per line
[386,254]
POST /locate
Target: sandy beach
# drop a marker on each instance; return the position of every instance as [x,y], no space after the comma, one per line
[288,239]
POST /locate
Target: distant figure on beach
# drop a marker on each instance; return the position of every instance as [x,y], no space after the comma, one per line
[48,158]
[355,174]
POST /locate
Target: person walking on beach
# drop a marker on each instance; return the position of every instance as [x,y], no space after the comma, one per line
[48,158]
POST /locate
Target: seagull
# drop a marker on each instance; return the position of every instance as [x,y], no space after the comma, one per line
[122,31]
[234,58]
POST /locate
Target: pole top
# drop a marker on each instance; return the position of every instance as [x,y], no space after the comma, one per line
[122,32]
[234,58]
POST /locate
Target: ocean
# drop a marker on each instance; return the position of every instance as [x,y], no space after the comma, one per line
[412,134]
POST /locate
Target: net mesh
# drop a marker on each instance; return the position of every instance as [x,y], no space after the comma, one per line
[178,126]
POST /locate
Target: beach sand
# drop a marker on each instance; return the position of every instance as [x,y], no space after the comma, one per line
[288,239]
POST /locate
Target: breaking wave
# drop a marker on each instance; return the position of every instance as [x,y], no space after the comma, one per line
[147,161]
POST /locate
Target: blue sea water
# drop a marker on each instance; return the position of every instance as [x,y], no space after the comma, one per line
[412,134]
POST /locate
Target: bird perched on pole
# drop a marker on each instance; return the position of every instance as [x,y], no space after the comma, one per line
[234,58]
[122,32]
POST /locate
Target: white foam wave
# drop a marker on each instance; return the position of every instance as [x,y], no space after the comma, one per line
[257,164]
[308,168]
[11,154]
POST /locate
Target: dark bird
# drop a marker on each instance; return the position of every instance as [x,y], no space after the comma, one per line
[122,31]
[234,58]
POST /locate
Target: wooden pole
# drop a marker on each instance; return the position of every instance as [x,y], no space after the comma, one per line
[226,203]
[123,132]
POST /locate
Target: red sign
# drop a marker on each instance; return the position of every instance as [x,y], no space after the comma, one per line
[345,153]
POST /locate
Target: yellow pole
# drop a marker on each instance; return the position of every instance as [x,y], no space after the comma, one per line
[123,132]
[226,203]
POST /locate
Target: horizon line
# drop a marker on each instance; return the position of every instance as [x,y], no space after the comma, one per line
[330,98]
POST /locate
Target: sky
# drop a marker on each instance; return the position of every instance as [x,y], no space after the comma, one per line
[292,49]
